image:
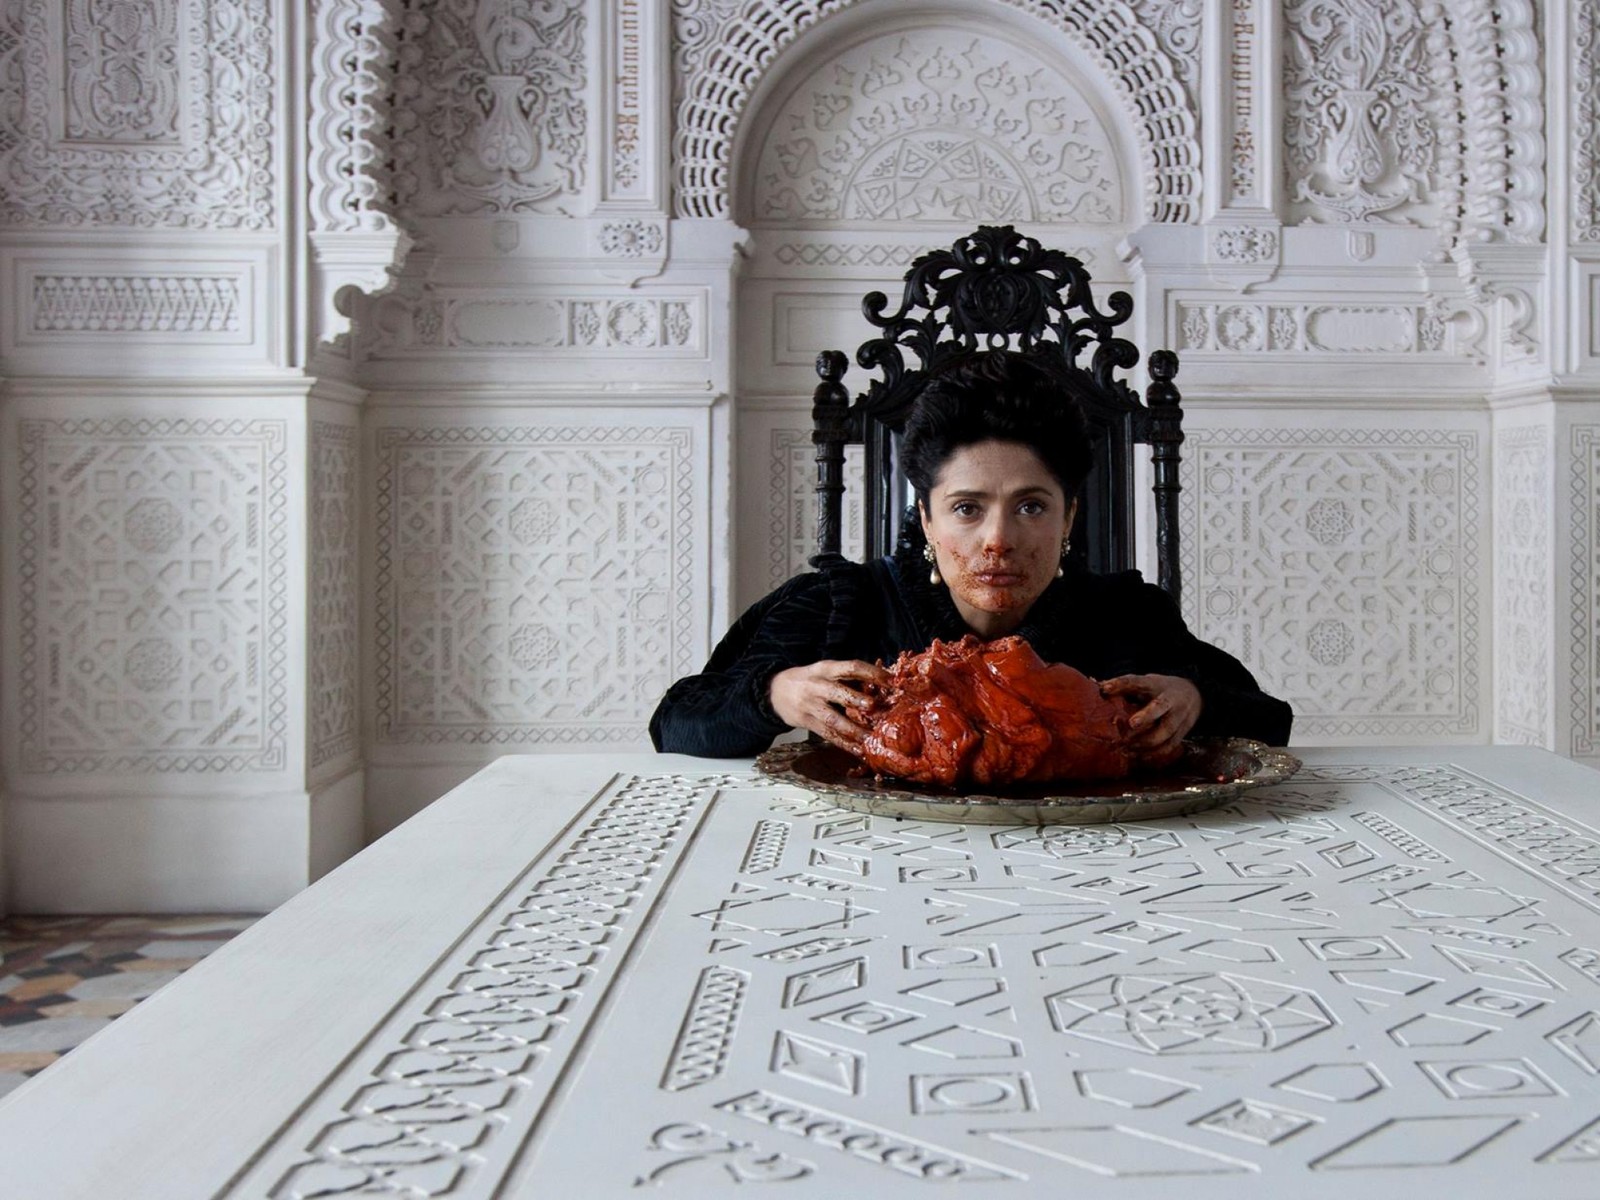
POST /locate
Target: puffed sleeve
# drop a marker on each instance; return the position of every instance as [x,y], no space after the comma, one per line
[725,711]
[1232,702]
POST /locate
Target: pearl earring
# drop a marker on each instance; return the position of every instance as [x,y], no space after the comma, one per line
[1066,548]
[933,574]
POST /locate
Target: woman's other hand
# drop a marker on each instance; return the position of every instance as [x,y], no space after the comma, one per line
[1171,705]
[827,698]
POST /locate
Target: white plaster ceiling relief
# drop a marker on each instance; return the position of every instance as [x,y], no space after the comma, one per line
[1341,566]
[153,584]
[722,49]
[1361,140]
[1523,636]
[532,585]
[148,115]
[924,126]
[489,106]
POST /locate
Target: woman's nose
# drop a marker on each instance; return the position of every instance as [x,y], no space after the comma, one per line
[997,533]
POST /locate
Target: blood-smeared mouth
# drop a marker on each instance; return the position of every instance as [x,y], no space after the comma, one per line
[999,579]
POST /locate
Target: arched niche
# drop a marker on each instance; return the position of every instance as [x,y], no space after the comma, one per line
[908,116]
[730,65]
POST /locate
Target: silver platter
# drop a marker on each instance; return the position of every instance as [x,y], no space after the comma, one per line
[1212,772]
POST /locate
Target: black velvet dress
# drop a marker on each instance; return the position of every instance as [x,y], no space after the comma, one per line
[1104,625]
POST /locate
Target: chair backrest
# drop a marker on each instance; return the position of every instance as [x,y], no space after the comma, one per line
[997,289]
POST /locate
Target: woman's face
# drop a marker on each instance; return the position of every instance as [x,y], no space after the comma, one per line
[995,519]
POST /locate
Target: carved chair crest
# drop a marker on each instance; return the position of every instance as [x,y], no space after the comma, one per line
[997,289]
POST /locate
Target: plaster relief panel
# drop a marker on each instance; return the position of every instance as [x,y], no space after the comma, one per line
[148,114]
[1523,633]
[937,125]
[421,321]
[334,619]
[1362,141]
[153,584]
[1419,329]
[1342,567]
[1585,609]
[490,109]
[721,51]
[1584,100]
[532,584]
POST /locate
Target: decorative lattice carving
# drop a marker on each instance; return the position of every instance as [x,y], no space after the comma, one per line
[409,322]
[1342,567]
[197,304]
[153,585]
[1585,608]
[723,49]
[1523,634]
[1414,328]
[123,129]
[335,658]
[910,126]
[575,548]
[489,111]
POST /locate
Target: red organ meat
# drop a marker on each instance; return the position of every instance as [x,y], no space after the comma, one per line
[989,713]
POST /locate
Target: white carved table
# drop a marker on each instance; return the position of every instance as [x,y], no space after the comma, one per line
[600,975]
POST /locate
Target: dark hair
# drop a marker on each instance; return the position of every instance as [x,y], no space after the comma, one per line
[996,395]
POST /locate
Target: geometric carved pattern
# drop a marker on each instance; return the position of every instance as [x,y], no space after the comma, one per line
[533,584]
[153,578]
[335,616]
[723,50]
[430,1107]
[1342,567]
[1522,571]
[904,127]
[489,107]
[1383,1026]
[1584,634]
[167,303]
[156,114]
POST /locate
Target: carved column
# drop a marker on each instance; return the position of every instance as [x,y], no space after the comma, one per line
[179,498]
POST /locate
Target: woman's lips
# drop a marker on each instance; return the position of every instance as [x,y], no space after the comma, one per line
[999,578]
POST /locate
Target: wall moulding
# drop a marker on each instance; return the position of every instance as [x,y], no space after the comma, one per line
[724,51]
[1584,610]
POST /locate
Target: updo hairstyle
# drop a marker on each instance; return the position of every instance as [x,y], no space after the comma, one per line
[996,395]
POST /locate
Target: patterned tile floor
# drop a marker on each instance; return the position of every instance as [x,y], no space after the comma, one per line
[64,978]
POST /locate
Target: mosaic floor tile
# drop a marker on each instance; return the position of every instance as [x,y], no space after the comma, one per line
[63,979]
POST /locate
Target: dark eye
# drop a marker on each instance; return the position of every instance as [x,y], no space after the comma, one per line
[1033,508]
[964,508]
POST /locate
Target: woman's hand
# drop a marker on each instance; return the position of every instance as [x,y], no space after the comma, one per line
[1171,707]
[826,698]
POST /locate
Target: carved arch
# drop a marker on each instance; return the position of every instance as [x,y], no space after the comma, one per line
[726,57]
[353,52]
[1496,52]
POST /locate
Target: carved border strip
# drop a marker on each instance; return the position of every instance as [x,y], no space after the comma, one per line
[447,1089]
[1584,632]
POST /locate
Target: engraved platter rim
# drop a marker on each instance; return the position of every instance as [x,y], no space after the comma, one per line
[1249,765]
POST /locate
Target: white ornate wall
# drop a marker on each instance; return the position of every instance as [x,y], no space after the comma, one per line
[390,384]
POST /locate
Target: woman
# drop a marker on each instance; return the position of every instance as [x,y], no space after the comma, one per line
[995,454]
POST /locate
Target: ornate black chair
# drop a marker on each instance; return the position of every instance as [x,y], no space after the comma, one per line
[996,289]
